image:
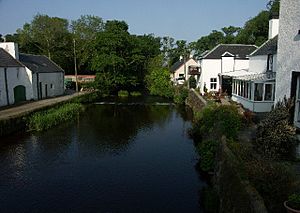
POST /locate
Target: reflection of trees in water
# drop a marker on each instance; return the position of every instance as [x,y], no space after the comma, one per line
[113,127]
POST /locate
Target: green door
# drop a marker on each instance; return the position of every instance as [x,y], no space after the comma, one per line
[20,94]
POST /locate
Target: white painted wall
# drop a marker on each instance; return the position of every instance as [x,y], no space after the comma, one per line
[190,62]
[11,48]
[210,69]
[273,28]
[227,64]
[288,55]
[54,79]
[15,76]
[240,64]
[253,106]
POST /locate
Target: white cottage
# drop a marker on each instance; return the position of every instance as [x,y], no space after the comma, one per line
[184,69]
[27,77]
[288,55]
[224,58]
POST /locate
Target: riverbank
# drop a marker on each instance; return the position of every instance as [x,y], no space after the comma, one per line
[14,119]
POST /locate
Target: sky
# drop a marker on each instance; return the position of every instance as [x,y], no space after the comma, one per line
[182,20]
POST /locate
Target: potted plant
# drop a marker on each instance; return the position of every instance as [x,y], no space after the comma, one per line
[293,203]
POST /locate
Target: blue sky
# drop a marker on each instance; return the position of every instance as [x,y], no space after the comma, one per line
[187,20]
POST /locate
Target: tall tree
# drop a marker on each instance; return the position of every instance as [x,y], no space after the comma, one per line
[167,45]
[84,31]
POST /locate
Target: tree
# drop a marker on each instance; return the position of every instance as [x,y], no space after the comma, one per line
[84,32]
[230,34]
[158,79]
[182,49]
[167,45]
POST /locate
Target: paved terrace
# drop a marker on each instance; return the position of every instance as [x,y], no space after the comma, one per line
[27,108]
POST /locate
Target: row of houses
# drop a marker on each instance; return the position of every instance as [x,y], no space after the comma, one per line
[256,77]
[25,77]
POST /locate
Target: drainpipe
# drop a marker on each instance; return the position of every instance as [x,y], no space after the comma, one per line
[37,86]
[6,85]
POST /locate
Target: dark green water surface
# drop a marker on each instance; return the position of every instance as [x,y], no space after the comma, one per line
[113,158]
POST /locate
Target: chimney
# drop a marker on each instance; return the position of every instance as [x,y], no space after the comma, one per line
[12,48]
[273,25]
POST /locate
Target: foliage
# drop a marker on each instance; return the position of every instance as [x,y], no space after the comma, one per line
[158,79]
[207,151]
[192,82]
[135,94]
[275,134]
[274,182]
[41,121]
[87,98]
[219,120]
[210,200]
[180,95]
[294,201]
[123,93]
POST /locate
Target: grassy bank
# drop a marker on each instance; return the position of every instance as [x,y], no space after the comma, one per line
[40,121]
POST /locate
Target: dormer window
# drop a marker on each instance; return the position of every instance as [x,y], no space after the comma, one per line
[270,63]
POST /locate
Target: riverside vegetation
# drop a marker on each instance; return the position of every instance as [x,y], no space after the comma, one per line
[265,163]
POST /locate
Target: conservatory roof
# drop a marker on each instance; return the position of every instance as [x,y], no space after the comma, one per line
[250,76]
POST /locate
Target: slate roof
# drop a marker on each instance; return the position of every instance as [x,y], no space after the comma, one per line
[240,51]
[6,60]
[178,64]
[269,47]
[39,63]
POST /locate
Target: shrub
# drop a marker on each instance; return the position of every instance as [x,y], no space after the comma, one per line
[294,201]
[135,94]
[207,151]
[275,134]
[44,120]
[219,120]
[192,82]
[123,94]
[181,94]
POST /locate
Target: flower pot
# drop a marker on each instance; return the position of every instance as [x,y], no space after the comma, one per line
[289,209]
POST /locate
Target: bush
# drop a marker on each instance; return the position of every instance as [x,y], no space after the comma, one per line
[207,151]
[294,201]
[135,94]
[44,120]
[219,120]
[275,134]
[192,82]
[123,94]
[180,95]
[274,182]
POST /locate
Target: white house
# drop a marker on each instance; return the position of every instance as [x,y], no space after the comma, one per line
[288,55]
[224,58]
[27,77]
[255,88]
[184,69]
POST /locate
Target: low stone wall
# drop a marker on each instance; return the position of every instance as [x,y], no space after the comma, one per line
[195,101]
[236,194]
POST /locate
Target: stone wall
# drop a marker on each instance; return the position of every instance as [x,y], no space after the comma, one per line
[236,194]
[195,101]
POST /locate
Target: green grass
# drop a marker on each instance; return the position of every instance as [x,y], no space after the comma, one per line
[123,93]
[135,94]
[41,121]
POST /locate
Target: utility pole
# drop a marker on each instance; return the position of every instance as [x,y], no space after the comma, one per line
[75,64]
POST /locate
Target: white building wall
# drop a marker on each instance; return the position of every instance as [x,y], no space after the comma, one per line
[288,55]
[240,64]
[54,82]
[227,64]
[258,63]
[3,101]
[273,28]
[210,69]
[181,69]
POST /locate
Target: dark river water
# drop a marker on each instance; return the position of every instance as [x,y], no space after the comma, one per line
[113,158]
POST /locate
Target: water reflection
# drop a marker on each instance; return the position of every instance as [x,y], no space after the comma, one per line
[113,159]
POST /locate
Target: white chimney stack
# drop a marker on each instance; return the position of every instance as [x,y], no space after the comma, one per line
[12,48]
[273,27]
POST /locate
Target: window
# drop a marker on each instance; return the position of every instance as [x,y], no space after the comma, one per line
[270,62]
[258,92]
[51,86]
[268,92]
[213,83]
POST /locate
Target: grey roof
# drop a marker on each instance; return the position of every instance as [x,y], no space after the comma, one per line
[6,60]
[240,51]
[269,47]
[39,63]
[178,64]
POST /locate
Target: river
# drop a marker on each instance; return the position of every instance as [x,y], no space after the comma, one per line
[113,158]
